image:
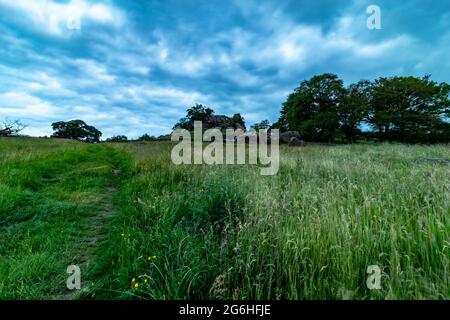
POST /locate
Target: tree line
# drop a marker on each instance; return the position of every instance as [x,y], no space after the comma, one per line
[79,130]
[402,109]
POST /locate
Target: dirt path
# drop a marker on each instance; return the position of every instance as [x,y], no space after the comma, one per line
[96,234]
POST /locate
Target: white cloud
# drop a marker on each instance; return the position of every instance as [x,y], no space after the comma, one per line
[50,85]
[92,72]
[52,17]
[383,48]
[35,131]
[18,104]
[92,113]
[150,94]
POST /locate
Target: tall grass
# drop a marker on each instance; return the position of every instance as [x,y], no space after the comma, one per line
[310,232]
[221,232]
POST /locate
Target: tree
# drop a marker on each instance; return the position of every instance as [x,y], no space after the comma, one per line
[120,138]
[410,109]
[238,121]
[76,129]
[282,123]
[265,124]
[354,109]
[146,137]
[198,112]
[164,137]
[209,120]
[312,109]
[404,109]
[11,128]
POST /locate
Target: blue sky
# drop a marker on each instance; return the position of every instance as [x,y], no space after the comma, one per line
[134,67]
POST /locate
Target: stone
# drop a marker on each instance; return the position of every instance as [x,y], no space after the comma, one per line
[285,137]
[295,142]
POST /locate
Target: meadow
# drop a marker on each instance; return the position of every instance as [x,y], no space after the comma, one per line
[141,227]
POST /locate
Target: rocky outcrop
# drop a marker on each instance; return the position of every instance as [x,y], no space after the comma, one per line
[285,137]
[295,142]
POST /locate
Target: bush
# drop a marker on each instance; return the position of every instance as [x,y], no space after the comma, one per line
[146,137]
[117,139]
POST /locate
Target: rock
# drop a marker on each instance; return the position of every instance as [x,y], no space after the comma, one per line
[295,142]
[285,137]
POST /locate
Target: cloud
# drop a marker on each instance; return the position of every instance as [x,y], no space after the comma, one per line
[154,94]
[41,131]
[17,104]
[54,18]
[43,83]
[92,72]
[135,67]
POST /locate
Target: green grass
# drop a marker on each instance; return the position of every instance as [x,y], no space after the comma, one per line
[48,192]
[222,232]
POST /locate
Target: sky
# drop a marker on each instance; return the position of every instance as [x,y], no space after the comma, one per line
[134,67]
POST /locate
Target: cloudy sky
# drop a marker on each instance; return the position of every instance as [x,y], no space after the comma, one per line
[134,67]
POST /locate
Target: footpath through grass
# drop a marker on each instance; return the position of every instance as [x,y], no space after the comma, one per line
[50,194]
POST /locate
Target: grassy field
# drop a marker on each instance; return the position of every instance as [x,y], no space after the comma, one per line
[142,228]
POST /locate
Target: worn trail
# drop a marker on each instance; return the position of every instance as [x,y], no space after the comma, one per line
[96,234]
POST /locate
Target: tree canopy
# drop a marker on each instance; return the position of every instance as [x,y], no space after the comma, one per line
[119,138]
[355,109]
[410,109]
[404,109]
[76,129]
[147,137]
[265,124]
[312,109]
[198,112]
[209,120]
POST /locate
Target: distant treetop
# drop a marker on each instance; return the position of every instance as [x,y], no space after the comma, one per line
[77,130]
[209,120]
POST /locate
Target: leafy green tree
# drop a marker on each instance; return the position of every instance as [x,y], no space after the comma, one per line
[164,137]
[265,124]
[312,109]
[410,109]
[354,109]
[76,129]
[237,121]
[198,112]
[206,115]
[183,123]
[146,137]
[120,138]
